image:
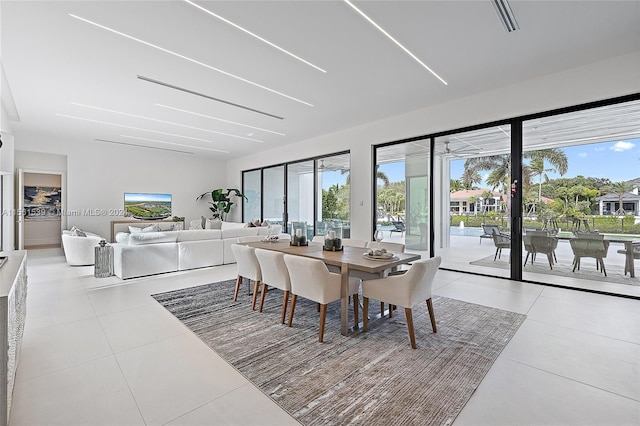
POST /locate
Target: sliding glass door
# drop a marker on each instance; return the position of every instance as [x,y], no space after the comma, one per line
[300,195]
[252,189]
[273,195]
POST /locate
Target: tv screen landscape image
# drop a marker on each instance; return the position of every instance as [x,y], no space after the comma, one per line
[147,206]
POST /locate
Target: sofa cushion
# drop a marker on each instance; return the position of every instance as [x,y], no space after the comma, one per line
[213,224]
[238,232]
[232,225]
[198,234]
[137,230]
[142,238]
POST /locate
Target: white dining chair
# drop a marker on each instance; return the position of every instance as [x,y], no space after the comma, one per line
[391,247]
[406,290]
[274,274]
[311,279]
[318,239]
[352,242]
[248,267]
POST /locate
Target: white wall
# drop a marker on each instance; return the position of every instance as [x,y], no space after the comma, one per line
[614,77]
[98,175]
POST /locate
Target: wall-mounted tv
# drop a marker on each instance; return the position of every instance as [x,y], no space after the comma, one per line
[147,206]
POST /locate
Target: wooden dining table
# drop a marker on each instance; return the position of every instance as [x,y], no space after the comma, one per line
[349,259]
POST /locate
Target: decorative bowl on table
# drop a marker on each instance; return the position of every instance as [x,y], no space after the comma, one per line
[379,254]
[271,239]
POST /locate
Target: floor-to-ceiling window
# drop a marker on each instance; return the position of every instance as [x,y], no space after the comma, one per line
[533,189]
[252,189]
[310,190]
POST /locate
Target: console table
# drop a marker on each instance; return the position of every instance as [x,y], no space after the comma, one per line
[13,312]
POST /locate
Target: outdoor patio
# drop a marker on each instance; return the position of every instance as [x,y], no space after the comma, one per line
[467,254]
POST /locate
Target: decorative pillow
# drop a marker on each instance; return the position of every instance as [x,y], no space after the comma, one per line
[195,224]
[251,225]
[122,237]
[171,227]
[265,223]
[134,230]
[151,238]
[79,233]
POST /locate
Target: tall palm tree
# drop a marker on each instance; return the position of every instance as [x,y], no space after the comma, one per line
[554,156]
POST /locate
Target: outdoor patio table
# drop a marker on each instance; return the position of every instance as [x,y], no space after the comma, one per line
[350,258]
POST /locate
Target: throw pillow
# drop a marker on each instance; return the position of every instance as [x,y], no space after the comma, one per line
[134,230]
[151,228]
[79,233]
[251,225]
[265,223]
[195,224]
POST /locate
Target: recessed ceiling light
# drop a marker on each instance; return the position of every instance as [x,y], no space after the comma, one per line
[254,35]
[143,146]
[163,121]
[220,119]
[134,128]
[173,143]
[189,59]
[372,22]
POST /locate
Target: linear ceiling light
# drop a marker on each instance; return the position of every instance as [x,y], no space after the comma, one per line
[219,119]
[254,35]
[165,122]
[371,21]
[189,59]
[132,127]
[173,143]
[142,146]
[506,15]
[192,92]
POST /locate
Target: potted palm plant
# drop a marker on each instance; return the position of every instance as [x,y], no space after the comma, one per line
[221,201]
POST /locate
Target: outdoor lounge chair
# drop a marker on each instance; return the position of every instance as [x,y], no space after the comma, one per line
[589,245]
[399,227]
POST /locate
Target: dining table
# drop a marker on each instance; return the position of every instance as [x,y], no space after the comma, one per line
[349,259]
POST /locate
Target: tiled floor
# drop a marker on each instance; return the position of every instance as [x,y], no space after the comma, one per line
[102,352]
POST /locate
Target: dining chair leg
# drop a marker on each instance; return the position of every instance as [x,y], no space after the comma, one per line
[285,301]
[412,337]
[390,310]
[323,317]
[365,313]
[550,259]
[293,308]
[264,292]
[381,309]
[432,315]
[604,271]
[356,303]
[238,282]
[527,258]
[255,294]
[496,255]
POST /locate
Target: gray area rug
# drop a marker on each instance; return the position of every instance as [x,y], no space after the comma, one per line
[615,273]
[364,378]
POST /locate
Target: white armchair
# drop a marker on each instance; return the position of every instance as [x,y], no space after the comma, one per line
[79,251]
[406,290]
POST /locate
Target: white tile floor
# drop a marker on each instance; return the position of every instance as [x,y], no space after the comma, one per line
[102,352]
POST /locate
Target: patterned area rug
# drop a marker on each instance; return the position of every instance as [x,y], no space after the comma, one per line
[364,378]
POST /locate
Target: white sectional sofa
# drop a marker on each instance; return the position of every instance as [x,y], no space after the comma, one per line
[149,253]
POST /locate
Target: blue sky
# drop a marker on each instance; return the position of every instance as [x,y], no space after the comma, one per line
[146,197]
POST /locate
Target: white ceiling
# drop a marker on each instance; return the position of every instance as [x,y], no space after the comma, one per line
[55,62]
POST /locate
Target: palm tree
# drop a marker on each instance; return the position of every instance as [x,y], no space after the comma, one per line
[620,188]
[469,178]
[556,157]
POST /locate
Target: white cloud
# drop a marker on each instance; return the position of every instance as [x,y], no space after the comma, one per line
[622,146]
[602,148]
[582,155]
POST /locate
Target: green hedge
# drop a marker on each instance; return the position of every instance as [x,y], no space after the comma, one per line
[606,224]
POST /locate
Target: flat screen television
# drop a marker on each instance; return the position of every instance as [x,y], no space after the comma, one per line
[147,206]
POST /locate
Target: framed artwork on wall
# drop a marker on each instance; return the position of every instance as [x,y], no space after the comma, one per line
[42,203]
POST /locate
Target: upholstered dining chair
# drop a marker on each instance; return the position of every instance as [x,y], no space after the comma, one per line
[393,248]
[318,239]
[274,274]
[248,267]
[406,290]
[311,279]
[352,242]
